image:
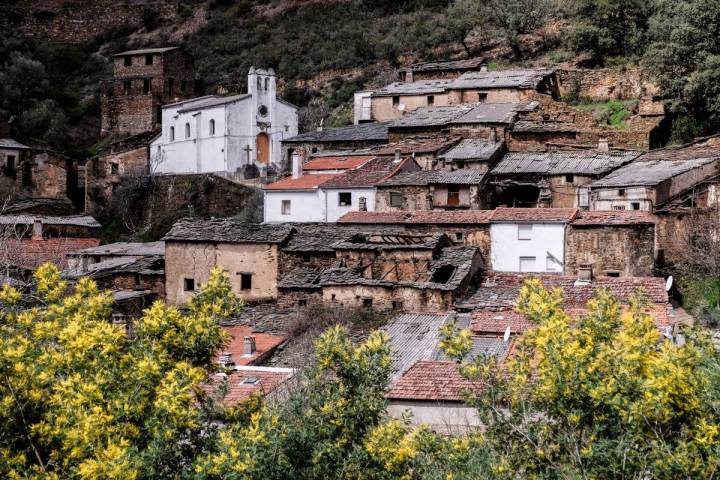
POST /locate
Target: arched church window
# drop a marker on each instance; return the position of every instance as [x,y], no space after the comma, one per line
[259,83]
[187,130]
[267,82]
[172,133]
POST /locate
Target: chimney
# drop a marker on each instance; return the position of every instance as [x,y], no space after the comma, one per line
[320,128]
[226,359]
[483,67]
[249,346]
[362,204]
[603,145]
[37,230]
[493,135]
[585,274]
[296,165]
[398,155]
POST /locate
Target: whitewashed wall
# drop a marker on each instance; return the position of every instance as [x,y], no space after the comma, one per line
[506,249]
[305,206]
[332,202]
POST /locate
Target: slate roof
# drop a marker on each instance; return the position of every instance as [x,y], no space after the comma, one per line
[524,79]
[304,182]
[420,217]
[364,132]
[533,215]
[465,64]
[421,87]
[226,230]
[314,237]
[417,145]
[147,265]
[438,177]
[340,162]
[53,207]
[74,220]
[401,241]
[144,51]
[125,249]
[473,149]
[643,172]
[368,175]
[528,126]
[431,116]
[211,101]
[10,143]
[265,344]
[493,113]
[558,162]
[614,217]
[244,381]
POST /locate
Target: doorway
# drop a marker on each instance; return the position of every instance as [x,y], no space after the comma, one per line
[262,143]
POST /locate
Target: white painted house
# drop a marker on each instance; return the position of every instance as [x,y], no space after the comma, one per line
[226,134]
[529,240]
[325,197]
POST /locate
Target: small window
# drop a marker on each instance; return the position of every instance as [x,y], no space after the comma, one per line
[635,205]
[10,165]
[114,168]
[302,302]
[613,273]
[367,302]
[285,207]
[460,165]
[245,281]
[482,97]
[212,126]
[396,199]
[396,101]
[332,297]
[149,59]
[431,100]
[172,133]
[527,264]
[189,284]
[525,232]
[619,207]
[459,236]
[267,83]
[313,150]
[146,86]
[621,192]
[128,61]
[187,130]
[570,178]
[127,87]
[397,305]
[344,199]
[259,83]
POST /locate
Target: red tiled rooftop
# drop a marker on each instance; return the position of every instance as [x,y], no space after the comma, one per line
[368,174]
[244,381]
[538,215]
[431,380]
[265,344]
[421,145]
[469,217]
[337,163]
[615,217]
[485,321]
[305,182]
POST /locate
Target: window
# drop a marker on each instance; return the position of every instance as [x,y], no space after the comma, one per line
[344,199]
[431,100]
[367,302]
[635,205]
[569,178]
[127,87]
[619,207]
[460,165]
[285,207]
[525,232]
[396,101]
[128,61]
[621,192]
[189,284]
[114,168]
[146,86]
[149,59]
[453,195]
[267,83]
[259,83]
[302,302]
[212,127]
[396,199]
[172,133]
[10,165]
[527,264]
[245,281]
[482,97]
[187,130]
[332,297]
[459,236]
[171,86]
[362,204]
[397,305]
[612,273]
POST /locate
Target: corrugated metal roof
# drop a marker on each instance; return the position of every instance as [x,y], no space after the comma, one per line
[558,162]
[528,78]
[650,173]
[353,133]
[473,149]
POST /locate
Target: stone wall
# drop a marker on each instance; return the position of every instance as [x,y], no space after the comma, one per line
[413,198]
[132,281]
[289,261]
[625,250]
[605,83]
[104,173]
[43,174]
[388,299]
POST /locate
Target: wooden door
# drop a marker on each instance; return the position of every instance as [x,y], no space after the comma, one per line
[453,195]
[262,143]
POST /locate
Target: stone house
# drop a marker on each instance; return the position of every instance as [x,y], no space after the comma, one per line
[353,137]
[440,70]
[12,154]
[553,178]
[473,153]
[611,244]
[236,136]
[143,81]
[296,199]
[658,177]
[249,252]
[428,190]
[425,151]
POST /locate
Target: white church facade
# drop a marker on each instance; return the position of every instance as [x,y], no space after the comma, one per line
[237,136]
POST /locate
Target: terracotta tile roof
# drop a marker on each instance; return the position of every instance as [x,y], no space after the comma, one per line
[431,380]
[492,322]
[369,174]
[421,217]
[418,145]
[534,215]
[305,182]
[244,381]
[265,344]
[336,163]
[615,217]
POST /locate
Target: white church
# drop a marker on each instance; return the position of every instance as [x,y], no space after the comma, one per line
[226,134]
